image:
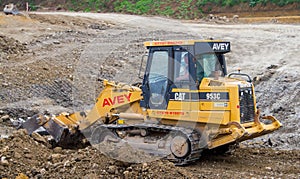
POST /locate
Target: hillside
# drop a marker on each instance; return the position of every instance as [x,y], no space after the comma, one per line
[186,9]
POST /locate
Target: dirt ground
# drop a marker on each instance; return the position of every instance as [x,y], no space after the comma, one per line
[57,61]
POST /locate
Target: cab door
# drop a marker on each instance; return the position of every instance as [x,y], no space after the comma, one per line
[183,90]
[156,83]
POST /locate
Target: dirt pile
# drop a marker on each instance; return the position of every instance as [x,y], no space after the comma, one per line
[10,46]
[282,100]
[247,162]
[69,21]
[39,75]
[34,157]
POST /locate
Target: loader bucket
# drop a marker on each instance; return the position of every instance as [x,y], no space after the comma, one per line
[55,129]
[32,124]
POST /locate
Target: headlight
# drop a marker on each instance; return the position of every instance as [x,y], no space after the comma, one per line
[245,85]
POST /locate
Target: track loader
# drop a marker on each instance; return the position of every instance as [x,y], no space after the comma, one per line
[185,104]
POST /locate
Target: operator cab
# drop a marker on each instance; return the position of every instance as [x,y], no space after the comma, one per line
[180,64]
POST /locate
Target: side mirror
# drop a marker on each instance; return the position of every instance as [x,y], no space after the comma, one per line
[141,67]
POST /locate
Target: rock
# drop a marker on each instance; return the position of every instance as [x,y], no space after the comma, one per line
[48,164]
[4,149]
[95,166]
[38,175]
[37,137]
[268,168]
[4,118]
[145,165]
[20,132]
[272,67]
[28,156]
[56,42]
[255,152]
[62,170]
[274,20]
[72,171]
[26,150]
[4,162]
[211,16]
[235,18]
[67,163]
[111,169]
[57,150]
[17,155]
[43,171]
[57,165]
[224,18]
[2,140]
[56,158]
[126,174]
[76,159]
[69,66]
[270,143]
[129,169]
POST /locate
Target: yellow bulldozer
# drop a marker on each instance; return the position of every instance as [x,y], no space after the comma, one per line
[186,103]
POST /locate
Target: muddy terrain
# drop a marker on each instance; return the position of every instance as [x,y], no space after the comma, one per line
[56,62]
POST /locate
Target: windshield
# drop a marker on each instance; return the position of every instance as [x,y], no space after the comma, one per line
[159,65]
[208,65]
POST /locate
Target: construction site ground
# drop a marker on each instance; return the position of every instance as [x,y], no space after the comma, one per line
[56,61]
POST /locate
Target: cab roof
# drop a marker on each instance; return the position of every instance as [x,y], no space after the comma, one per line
[175,42]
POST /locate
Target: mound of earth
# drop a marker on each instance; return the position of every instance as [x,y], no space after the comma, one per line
[22,155]
[10,46]
[34,157]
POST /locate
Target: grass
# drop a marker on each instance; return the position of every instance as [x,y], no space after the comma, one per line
[182,9]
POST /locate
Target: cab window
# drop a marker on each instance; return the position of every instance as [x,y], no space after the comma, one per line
[181,68]
[159,65]
[207,65]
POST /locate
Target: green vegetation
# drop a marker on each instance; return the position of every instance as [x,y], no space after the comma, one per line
[174,8]
[251,3]
[181,9]
[31,5]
